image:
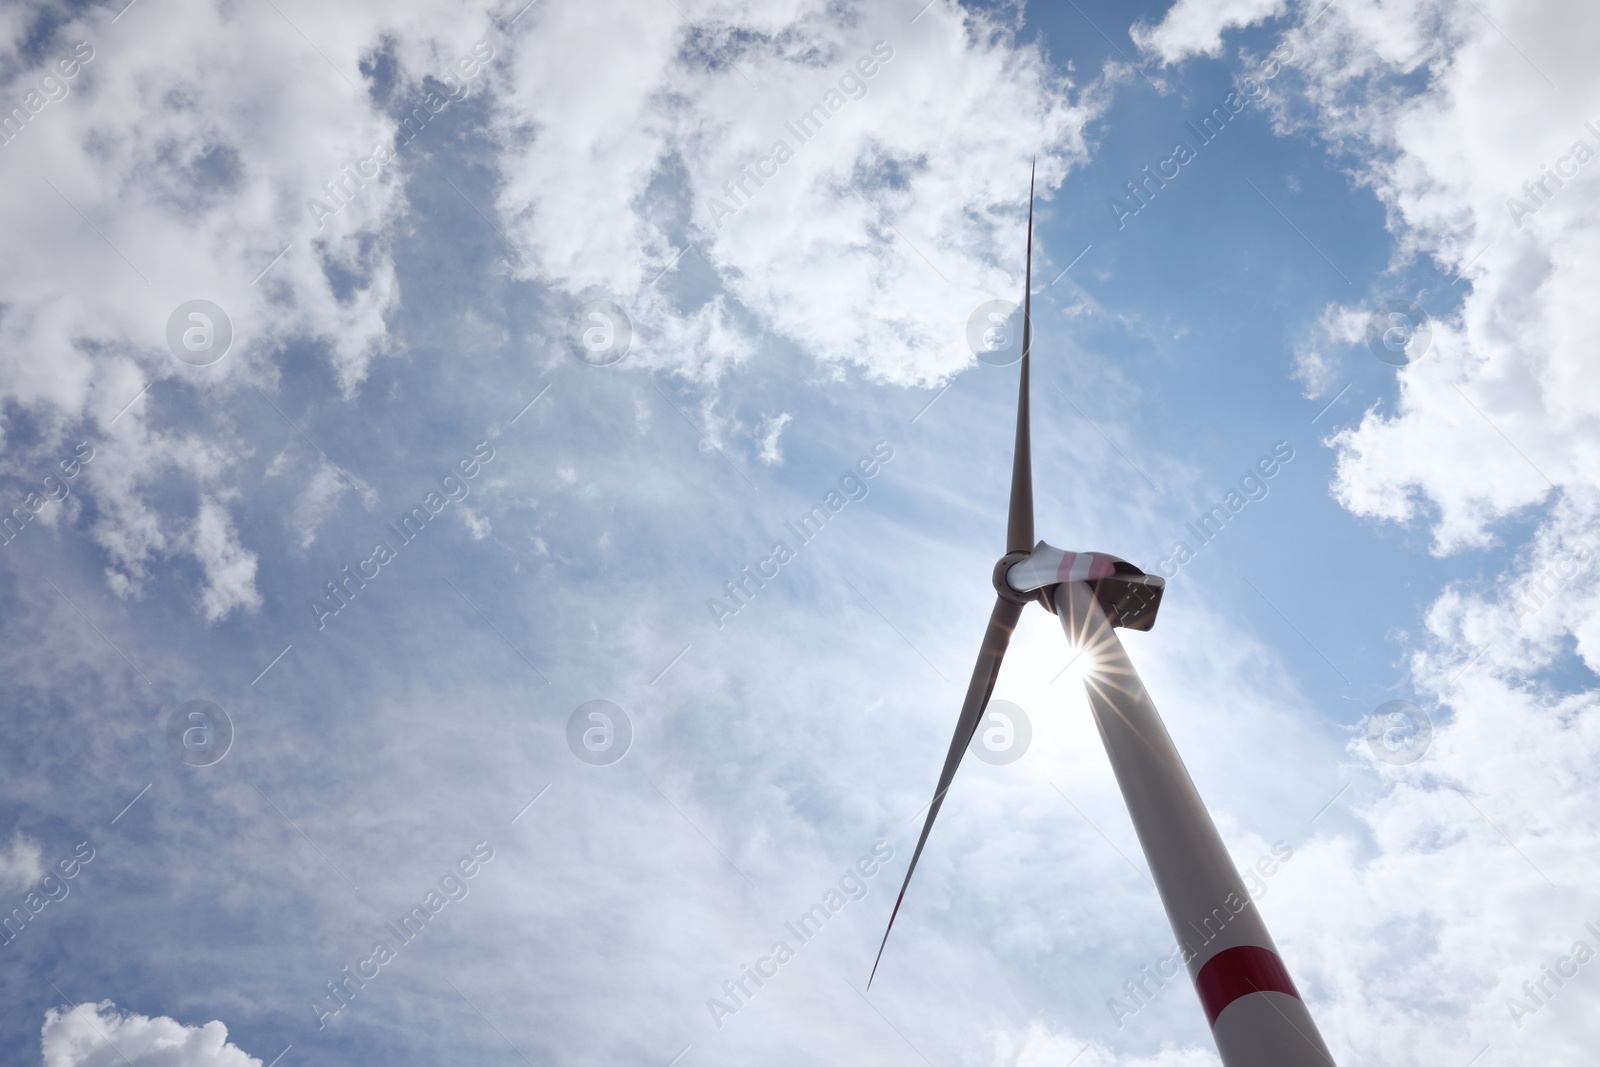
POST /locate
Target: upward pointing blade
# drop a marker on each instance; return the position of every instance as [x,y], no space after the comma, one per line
[984,672]
[1019,524]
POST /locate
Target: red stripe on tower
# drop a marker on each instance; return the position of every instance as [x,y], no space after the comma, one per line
[1237,972]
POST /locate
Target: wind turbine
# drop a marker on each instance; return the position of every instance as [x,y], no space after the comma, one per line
[1257,1017]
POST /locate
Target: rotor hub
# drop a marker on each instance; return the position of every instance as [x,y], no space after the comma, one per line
[1017,596]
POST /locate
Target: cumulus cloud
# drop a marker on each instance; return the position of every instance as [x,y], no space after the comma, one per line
[98,1035]
[157,172]
[846,180]
[1195,27]
[1503,412]
[133,526]
[141,193]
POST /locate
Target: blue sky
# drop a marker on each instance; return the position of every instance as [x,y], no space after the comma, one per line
[420,333]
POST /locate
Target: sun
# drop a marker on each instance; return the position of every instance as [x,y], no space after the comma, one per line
[1080,666]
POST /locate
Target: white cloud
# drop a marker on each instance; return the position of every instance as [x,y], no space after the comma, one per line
[21,863]
[98,1035]
[183,205]
[316,502]
[872,232]
[771,432]
[1317,359]
[1507,398]
[132,527]
[166,174]
[321,495]
[1039,1046]
[230,569]
[478,526]
[1195,27]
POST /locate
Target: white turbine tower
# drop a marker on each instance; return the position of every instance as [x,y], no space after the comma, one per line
[1257,1017]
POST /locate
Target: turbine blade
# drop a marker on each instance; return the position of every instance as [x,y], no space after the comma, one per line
[995,639]
[1019,524]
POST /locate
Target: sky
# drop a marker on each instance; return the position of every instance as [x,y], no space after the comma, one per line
[414,649]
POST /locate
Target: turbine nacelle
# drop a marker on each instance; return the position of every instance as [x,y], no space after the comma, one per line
[1129,597]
